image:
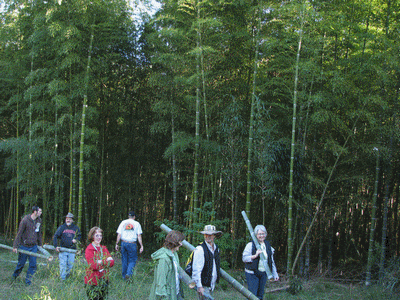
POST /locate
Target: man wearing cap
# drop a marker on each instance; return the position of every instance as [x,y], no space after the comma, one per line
[68,234]
[28,238]
[129,232]
[206,262]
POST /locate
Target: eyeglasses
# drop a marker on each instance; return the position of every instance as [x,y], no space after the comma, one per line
[98,235]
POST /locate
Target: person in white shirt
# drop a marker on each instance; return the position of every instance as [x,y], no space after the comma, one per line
[258,270]
[206,262]
[129,233]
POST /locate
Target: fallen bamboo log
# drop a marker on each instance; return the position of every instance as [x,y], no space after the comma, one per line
[62,249]
[239,287]
[49,258]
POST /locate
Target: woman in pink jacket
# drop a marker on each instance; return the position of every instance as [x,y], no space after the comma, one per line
[99,261]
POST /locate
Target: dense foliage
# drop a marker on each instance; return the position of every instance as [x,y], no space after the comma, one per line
[167,122]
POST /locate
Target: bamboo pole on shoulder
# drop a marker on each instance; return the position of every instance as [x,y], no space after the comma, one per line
[239,287]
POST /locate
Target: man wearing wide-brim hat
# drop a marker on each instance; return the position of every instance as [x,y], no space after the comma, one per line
[69,235]
[206,262]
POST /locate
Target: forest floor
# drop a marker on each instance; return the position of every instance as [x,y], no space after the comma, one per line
[46,284]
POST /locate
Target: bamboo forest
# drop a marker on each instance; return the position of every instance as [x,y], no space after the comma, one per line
[286,110]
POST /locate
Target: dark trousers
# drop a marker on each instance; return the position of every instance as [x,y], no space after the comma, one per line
[21,263]
[256,283]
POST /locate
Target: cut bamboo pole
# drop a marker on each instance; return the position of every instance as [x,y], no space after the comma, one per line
[62,249]
[44,251]
[49,258]
[239,287]
[186,278]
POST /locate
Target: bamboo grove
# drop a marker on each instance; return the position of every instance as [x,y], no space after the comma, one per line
[283,109]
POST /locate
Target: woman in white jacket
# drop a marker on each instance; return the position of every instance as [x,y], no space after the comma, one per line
[259,268]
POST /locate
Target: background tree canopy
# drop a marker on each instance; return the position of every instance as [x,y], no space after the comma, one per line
[201,108]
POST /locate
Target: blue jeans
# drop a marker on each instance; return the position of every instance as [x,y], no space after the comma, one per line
[256,283]
[129,258]
[66,263]
[21,263]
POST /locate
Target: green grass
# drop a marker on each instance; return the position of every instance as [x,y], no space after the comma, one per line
[47,285]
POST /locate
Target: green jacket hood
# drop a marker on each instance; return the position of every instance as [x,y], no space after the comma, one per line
[162,253]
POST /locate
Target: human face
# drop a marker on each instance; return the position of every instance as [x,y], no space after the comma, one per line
[261,235]
[68,221]
[39,212]
[209,238]
[97,237]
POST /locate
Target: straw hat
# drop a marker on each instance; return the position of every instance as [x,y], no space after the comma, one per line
[211,229]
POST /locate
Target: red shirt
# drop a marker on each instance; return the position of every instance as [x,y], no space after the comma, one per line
[94,270]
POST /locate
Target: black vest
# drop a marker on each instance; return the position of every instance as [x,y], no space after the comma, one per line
[254,264]
[206,274]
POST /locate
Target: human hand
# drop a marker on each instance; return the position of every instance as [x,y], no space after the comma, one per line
[58,249]
[116,247]
[74,241]
[200,290]
[15,250]
[141,249]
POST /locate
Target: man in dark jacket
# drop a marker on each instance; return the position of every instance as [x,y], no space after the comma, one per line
[28,238]
[206,263]
[68,234]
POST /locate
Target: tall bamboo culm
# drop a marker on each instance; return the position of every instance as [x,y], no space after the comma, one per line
[251,129]
[195,193]
[80,200]
[373,221]
[292,148]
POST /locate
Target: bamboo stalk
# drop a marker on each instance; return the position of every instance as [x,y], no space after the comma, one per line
[190,282]
[82,142]
[239,287]
[49,258]
[186,278]
[45,252]
[62,249]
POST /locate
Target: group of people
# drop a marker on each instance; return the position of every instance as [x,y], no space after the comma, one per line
[65,240]
[259,265]
[259,259]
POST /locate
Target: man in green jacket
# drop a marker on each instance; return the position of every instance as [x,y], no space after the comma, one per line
[166,276]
